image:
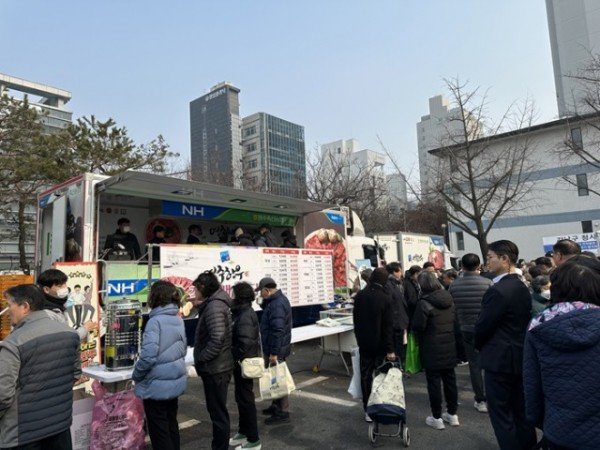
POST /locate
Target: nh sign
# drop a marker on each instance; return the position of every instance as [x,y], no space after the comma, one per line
[192,210]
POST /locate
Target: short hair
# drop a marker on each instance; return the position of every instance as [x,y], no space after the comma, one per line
[393,267]
[52,277]
[537,271]
[451,273]
[428,264]
[505,248]
[122,220]
[163,293]
[429,282]
[544,261]
[379,276]
[194,227]
[576,280]
[366,274]
[243,293]
[77,286]
[265,226]
[413,270]
[470,261]
[538,282]
[157,229]
[567,247]
[27,293]
[207,283]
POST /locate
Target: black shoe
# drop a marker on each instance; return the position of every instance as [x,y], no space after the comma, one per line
[277,418]
[270,410]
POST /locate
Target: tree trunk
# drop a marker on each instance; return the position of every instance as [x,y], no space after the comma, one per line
[22,237]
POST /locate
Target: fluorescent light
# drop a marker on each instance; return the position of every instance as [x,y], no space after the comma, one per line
[281,206]
[182,192]
[237,200]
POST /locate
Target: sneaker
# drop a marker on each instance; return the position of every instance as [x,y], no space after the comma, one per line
[436,424]
[270,410]
[238,439]
[277,418]
[451,419]
[368,418]
[481,407]
[254,445]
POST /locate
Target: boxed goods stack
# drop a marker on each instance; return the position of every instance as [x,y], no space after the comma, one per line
[6,282]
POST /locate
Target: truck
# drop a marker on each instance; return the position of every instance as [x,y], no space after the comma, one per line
[414,249]
[75,218]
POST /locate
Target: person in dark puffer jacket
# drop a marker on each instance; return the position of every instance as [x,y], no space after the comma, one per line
[561,359]
[434,324]
[276,337]
[395,287]
[412,290]
[159,374]
[39,362]
[212,353]
[244,345]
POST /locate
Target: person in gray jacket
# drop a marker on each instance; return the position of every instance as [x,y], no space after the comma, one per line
[39,362]
[467,292]
[159,374]
[212,353]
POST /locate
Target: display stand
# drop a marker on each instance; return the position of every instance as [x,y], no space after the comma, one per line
[332,339]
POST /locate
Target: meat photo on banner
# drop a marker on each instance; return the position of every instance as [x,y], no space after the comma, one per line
[306,277]
[82,306]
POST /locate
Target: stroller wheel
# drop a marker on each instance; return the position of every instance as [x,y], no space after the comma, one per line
[406,436]
[372,431]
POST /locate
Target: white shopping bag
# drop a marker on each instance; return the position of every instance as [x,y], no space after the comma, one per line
[354,389]
[276,382]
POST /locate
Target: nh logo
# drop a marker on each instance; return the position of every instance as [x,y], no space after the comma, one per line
[192,210]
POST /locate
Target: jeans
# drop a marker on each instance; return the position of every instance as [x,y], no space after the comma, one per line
[244,397]
[161,417]
[434,389]
[475,371]
[215,392]
[60,441]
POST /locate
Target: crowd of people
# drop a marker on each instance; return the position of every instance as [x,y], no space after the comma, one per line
[529,331]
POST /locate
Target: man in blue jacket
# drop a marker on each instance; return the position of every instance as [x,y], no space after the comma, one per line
[499,337]
[276,337]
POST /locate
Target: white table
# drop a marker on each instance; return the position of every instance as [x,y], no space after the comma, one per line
[308,332]
[107,376]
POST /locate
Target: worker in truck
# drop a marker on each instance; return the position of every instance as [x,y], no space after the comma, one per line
[158,233]
[123,239]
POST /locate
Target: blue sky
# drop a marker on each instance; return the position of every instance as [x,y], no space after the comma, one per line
[343,69]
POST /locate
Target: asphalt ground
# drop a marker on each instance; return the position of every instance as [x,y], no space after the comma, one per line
[324,415]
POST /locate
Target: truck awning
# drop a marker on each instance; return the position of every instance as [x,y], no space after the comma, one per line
[140,184]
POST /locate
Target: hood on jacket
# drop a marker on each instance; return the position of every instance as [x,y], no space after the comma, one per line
[440,299]
[570,331]
[169,310]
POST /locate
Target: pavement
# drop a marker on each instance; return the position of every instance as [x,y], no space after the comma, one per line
[324,415]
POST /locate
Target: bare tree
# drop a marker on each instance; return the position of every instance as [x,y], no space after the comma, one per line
[481,176]
[338,179]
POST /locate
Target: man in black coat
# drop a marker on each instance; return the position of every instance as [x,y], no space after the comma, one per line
[399,306]
[499,336]
[374,329]
[412,290]
[212,353]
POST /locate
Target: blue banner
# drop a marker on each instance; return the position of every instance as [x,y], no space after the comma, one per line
[335,218]
[178,209]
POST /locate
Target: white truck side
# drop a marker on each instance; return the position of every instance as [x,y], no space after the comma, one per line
[411,249]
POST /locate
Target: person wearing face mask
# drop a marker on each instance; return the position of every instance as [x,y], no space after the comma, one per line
[53,283]
[540,296]
[123,237]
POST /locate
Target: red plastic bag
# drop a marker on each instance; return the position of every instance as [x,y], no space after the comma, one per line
[117,420]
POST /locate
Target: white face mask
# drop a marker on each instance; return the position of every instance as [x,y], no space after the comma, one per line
[62,292]
[545,294]
[126,229]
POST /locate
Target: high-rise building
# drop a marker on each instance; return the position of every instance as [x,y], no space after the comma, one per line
[574,27]
[397,192]
[274,155]
[47,100]
[216,141]
[50,103]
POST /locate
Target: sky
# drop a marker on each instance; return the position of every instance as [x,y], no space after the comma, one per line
[342,69]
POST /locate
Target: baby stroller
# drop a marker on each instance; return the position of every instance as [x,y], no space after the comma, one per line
[386,404]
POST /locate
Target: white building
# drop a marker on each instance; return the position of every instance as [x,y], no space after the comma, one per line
[561,202]
[397,192]
[349,153]
[435,130]
[574,27]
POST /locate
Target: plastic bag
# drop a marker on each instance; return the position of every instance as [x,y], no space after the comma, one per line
[413,356]
[354,389]
[117,420]
[276,382]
